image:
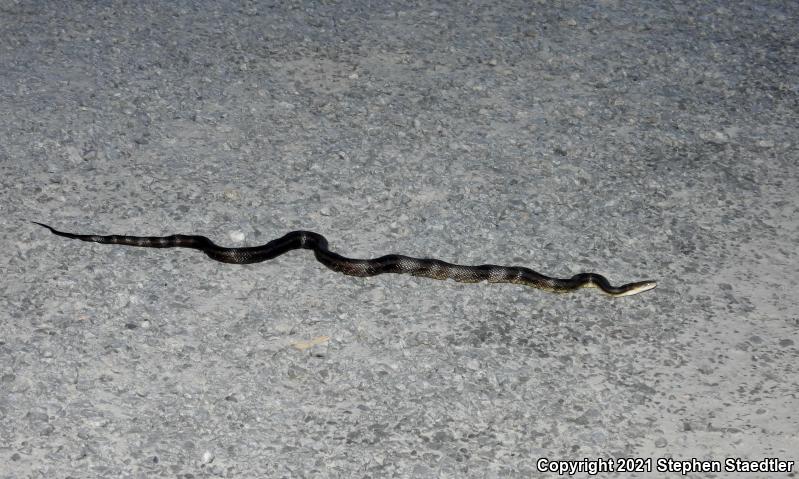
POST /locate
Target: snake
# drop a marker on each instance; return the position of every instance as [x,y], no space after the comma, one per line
[391,263]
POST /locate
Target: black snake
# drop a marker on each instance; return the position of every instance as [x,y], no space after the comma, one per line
[392,263]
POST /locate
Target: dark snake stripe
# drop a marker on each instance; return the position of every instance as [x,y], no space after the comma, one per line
[392,263]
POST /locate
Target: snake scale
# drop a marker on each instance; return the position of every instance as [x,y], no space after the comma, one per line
[392,263]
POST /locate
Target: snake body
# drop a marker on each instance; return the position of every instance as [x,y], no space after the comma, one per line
[392,263]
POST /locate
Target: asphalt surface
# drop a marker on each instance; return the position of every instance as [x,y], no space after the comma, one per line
[640,140]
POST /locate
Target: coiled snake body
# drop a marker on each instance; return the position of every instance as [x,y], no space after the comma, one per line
[392,263]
